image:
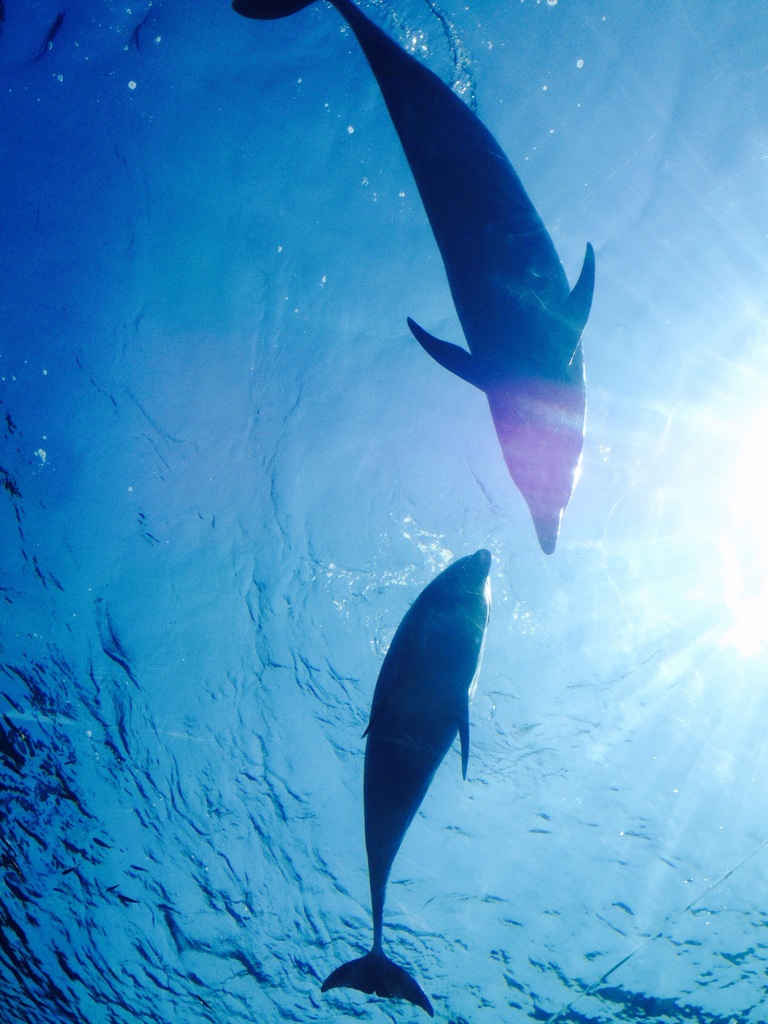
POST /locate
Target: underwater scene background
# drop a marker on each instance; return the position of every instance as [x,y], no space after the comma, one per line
[228,469]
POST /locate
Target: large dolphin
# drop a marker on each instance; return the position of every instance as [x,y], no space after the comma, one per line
[522,323]
[420,703]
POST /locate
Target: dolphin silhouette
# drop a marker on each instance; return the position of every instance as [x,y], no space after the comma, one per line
[522,323]
[421,701]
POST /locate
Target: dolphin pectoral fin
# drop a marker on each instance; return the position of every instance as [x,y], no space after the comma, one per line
[464,740]
[376,973]
[452,357]
[579,302]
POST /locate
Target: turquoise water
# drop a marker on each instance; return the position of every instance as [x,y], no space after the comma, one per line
[228,469]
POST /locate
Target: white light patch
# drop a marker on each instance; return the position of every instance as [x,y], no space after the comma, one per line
[744,549]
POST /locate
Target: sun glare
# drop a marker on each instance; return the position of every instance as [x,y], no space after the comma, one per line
[745,548]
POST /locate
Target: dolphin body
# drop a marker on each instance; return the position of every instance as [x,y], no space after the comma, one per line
[522,323]
[420,703]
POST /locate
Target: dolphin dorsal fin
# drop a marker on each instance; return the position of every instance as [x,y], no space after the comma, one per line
[452,357]
[579,302]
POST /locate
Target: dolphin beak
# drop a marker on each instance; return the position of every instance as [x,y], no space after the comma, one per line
[547,531]
[482,560]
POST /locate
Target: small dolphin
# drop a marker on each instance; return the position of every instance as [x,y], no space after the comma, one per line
[522,323]
[420,703]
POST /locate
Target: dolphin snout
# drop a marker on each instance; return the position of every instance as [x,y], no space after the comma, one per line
[482,561]
[547,531]
[475,570]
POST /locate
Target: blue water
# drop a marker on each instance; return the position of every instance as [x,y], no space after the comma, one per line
[228,469]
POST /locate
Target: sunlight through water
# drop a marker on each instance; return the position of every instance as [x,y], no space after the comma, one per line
[745,547]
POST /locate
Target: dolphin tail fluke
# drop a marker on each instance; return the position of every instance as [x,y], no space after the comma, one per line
[452,357]
[266,10]
[580,299]
[376,974]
